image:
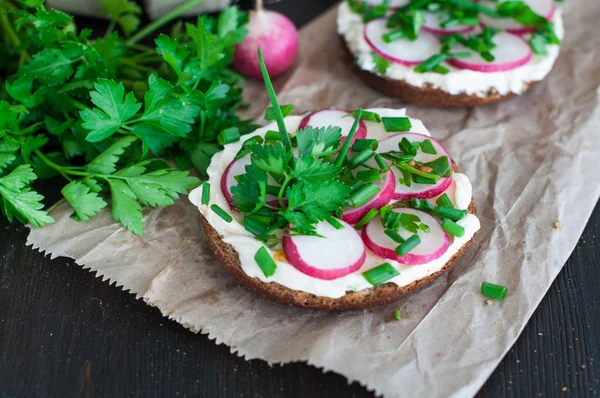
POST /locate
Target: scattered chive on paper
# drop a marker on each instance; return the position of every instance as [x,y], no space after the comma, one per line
[497,292]
[266,264]
[397,315]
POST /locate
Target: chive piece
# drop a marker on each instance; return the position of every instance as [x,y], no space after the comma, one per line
[369,175]
[444,201]
[265,262]
[452,228]
[272,136]
[381,273]
[395,236]
[368,217]
[221,213]
[342,155]
[254,226]
[449,212]
[396,124]
[227,136]
[491,290]
[381,163]
[363,194]
[421,204]
[205,192]
[286,110]
[393,35]
[361,144]
[427,147]
[422,180]
[397,315]
[356,186]
[405,146]
[368,116]
[334,223]
[273,98]
[392,221]
[385,211]
[408,245]
[360,158]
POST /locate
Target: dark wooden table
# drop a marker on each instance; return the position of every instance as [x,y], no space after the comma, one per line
[65,333]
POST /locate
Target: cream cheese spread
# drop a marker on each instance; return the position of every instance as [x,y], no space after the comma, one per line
[460,192]
[457,81]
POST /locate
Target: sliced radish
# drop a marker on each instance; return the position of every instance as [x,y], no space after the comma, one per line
[334,117]
[432,24]
[339,252]
[433,243]
[419,191]
[236,168]
[510,53]
[401,51]
[393,5]
[545,8]
[387,187]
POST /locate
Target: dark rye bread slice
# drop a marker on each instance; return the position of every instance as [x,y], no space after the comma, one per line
[423,96]
[379,295]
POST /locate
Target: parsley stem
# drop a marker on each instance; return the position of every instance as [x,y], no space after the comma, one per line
[282,190]
[342,155]
[110,28]
[12,34]
[165,19]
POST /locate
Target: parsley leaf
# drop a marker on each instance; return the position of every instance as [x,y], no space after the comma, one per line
[84,201]
[318,141]
[272,159]
[250,192]
[314,169]
[317,200]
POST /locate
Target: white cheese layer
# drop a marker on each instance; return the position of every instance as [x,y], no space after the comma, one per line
[460,192]
[457,81]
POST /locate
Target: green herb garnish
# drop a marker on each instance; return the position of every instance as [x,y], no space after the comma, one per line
[380,274]
[266,264]
[491,290]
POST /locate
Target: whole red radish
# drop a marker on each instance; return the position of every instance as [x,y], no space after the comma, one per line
[275,35]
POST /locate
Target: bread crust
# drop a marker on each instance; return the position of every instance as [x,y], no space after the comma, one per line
[378,295]
[426,95]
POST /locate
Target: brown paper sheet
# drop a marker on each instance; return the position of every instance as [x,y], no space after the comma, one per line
[532,161]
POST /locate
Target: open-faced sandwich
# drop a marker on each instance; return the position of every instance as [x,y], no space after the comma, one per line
[451,52]
[335,209]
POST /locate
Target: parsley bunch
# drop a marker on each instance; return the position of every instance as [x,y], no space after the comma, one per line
[104,112]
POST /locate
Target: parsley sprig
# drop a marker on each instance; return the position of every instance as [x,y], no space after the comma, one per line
[102,110]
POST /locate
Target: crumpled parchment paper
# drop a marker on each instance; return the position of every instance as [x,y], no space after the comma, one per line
[533,162]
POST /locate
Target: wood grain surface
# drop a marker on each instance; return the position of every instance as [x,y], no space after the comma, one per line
[65,333]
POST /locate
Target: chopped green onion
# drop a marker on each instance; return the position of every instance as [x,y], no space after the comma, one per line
[362,195]
[254,226]
[427,147]
[361,144]
[369,175]
[227,136]
[444,201]
[286,110]
[421,204]
[452,228]
[396,124]
[334,223]
[361,158]
[393,235]
[408,245]
[397,315]
[368,116]
[491,290]
[440,165]
[221,213]
[392,220]
[394,35]
[407,147]
[272,136]
[381,163]
[385,211]
[368,217]
[422,180]
[381,273]
[341,157]
[205,192]
[449,212]
[356,186]
[265,262]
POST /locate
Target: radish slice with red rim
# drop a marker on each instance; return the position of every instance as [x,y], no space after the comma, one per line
[544,8]
[433,24]
[433,243]
[393,5]
[510,53]
[387,187]
[236,168]
[419,191]
[402,51]
[334,117]
[339,252]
